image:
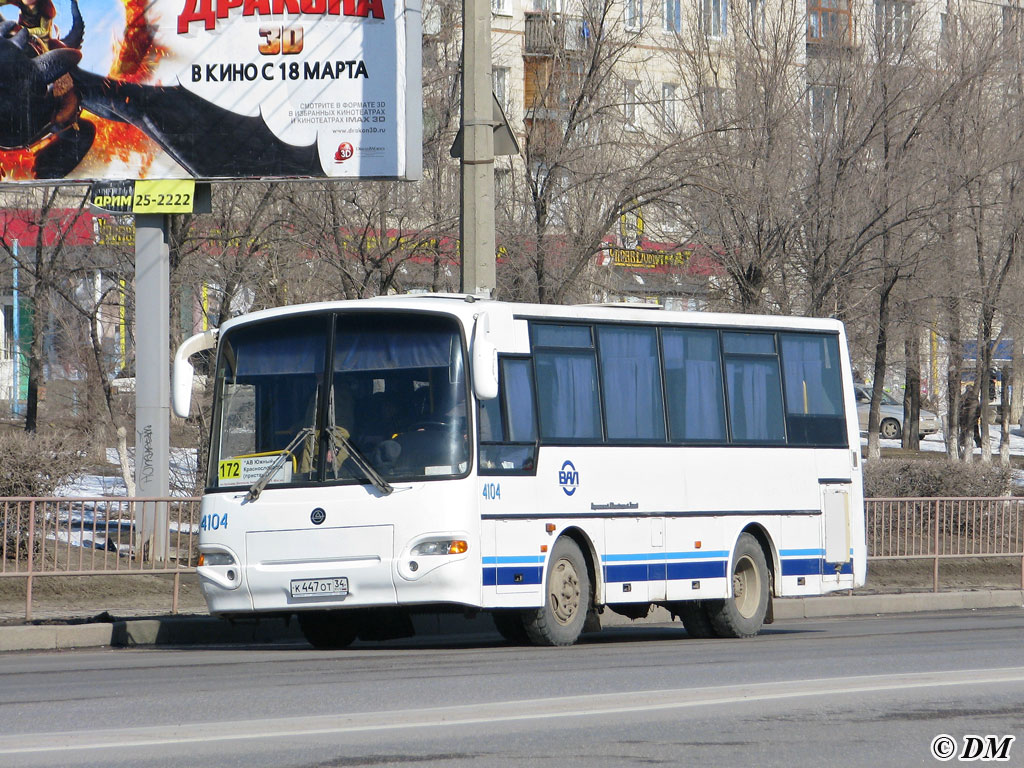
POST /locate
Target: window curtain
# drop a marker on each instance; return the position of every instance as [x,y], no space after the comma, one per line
[567,394]
[287,348]
[631,378]
[694,377]
[755,400]
[519,392]
[812,378]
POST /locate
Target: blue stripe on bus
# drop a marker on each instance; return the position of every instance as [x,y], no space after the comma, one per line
[513,559]
[812,566]
[665,556]
[495,577]
[522,572]
[802,566]
[710,569]
[801,552]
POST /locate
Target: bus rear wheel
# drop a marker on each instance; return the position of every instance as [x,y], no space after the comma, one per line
[696,618]
[742,615]
[566,600]
[328,630]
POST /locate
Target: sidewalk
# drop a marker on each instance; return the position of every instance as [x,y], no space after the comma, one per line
[204,630]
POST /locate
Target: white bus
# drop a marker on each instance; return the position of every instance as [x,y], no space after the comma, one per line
[373,458]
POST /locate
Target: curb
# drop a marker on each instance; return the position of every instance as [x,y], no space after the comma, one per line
[206,630]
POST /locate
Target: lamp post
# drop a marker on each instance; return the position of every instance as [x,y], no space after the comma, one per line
[16,388]
[477,209]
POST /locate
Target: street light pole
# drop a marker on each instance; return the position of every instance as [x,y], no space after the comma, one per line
[16,360]
[476,223]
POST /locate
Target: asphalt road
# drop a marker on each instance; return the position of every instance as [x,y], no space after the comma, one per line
[872,691]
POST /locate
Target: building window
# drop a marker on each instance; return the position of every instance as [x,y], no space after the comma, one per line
[669,96]
[7,350]
[712,100]
[892,22]
[1013,23]
[499,7]
[629,102]
[828,20]
[756,18]
[634,15]
[499,84]
[823,101]
[947,29]
[672,21]
[502,184]
[715,17]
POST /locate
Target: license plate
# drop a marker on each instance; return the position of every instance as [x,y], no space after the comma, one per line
[317,587]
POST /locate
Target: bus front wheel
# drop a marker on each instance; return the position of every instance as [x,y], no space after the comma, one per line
[566,599]
[328,630]
[742,615]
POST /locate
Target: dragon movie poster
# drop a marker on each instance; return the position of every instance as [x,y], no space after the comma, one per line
[209,89]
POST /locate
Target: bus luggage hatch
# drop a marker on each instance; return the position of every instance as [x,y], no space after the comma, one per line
[835,507]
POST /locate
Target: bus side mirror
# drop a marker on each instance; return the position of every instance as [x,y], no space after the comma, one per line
[183,372]
[485,361]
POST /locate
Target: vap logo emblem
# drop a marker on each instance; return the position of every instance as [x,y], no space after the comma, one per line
[344,152]
[317,516]
[568,478]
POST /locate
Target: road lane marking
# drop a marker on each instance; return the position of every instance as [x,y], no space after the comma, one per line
[498,712]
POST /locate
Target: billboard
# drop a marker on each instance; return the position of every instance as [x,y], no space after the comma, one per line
[94,90]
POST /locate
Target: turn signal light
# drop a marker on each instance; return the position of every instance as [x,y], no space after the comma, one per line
[216,558]
[441,547]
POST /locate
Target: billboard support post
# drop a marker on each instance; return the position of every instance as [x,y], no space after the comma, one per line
[152,378]
[477,205]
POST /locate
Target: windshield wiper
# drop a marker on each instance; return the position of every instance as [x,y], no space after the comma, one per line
[338,437]
[287,453]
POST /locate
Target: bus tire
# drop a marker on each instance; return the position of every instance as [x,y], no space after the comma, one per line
[510,626]
[742,614]
[695,618]
[566,598]
[328,630]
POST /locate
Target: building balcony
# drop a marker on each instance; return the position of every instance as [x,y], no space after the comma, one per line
[549,34]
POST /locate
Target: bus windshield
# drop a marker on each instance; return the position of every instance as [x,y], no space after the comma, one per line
[347,398]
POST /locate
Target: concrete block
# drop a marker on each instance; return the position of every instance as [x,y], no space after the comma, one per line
[31,638]
[788,608]
[83,635]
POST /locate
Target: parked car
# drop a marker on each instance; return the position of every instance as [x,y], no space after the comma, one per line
[890,413]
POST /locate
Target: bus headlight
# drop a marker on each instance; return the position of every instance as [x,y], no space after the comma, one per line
[216,558]
[220,567]
[441,547]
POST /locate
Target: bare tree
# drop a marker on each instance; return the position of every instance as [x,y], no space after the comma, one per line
[52,217]
[596,145]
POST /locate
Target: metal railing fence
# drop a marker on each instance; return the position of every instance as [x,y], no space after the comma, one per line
[63,536]
[945,528]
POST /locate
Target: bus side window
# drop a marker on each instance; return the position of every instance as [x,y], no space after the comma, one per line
[814,390]
[754,387]
[693,385]
[507,424]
